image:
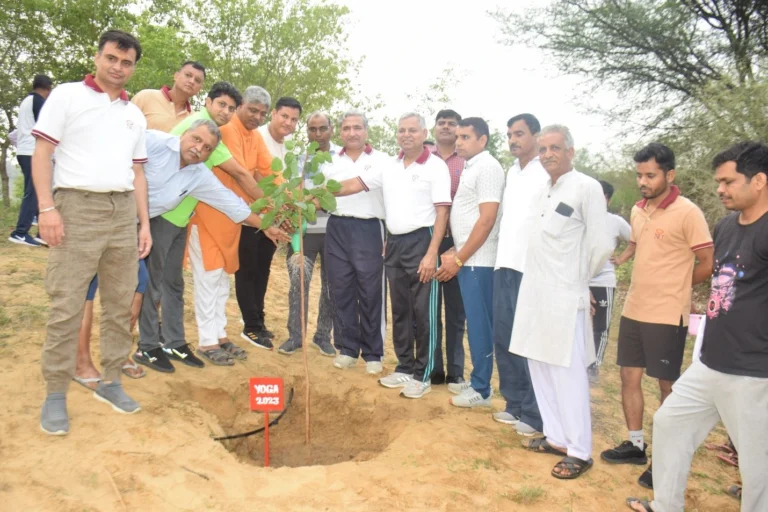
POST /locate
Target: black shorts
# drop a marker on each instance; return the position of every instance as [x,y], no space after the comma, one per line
[656,347]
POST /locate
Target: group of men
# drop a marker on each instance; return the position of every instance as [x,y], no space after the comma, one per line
[524,256]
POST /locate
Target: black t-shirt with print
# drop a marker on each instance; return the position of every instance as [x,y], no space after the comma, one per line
[736,332]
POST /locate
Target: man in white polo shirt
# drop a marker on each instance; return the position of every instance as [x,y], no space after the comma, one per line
[97,138]
[474,224]
[417,199]
[524,181]
[353,251]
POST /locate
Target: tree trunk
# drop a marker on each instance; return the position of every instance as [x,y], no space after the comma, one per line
[4,174]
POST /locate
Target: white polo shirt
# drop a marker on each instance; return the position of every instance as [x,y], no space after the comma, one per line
[97,140]
[276,149]
[411,193]
[618,230]
[520,193]
[481,181]
[361,205]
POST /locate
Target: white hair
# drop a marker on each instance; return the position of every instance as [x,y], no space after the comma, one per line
[256,94]
[562,130]
[212,128]
[408,115]
[353,112]
[319,113]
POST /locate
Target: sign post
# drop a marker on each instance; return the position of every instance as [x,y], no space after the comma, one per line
[266,396]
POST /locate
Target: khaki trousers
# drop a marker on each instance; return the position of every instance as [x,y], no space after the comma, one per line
[100,238]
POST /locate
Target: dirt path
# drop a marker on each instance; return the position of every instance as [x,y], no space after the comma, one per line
[373,450]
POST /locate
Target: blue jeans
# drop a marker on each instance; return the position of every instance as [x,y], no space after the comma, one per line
[514,377]
[476,285]
[28,208]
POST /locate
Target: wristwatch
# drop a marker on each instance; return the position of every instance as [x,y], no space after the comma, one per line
[458,261]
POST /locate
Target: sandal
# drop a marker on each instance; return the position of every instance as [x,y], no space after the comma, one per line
[635,501]
[85,381]
[719,448]
[575,467]
[541,446]
[730,458]
[132,370]
[217,356]
[234,350]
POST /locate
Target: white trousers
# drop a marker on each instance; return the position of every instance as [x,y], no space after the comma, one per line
[211,294]
[700,398]
[563,397]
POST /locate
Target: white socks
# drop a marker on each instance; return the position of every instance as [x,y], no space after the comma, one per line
[636,437]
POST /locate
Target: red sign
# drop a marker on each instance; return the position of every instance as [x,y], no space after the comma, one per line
[266,394]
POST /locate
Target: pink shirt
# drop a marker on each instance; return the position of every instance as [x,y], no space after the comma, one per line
[455,165]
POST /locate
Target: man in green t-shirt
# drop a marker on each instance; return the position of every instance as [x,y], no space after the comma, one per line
[166,265]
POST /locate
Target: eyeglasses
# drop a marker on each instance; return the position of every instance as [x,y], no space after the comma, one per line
[321,129]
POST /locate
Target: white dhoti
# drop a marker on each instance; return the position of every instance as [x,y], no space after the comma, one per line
[211,294]
[562,394]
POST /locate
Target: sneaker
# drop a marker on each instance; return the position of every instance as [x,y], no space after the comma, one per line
[373,367]
[458,388]
[40,240]
[593,372]
[54,419]
[454,380]
[24,240]
[343,361]
[325,347]
[437,378]
[114,395]
[470,398]
[525,430]
[155,359]
[395,380]
[505,418]
[257,339]
[626,453]
[185,355]
[646,479]
[289,347]
[416,389]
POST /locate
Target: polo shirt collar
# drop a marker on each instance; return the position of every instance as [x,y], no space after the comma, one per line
[421,160]
[90,82]
[472,161]
[368,149]
[167,93]
[674,193]
[436,151]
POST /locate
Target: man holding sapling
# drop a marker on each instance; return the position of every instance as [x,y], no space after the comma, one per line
[354,243]
[319,130]
[214,237]
[475,213]
[417,199]
[257,247]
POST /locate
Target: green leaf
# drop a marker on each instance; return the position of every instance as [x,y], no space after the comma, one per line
[259,204]
[289,145]
[328,203]
[333,186]
[312,147]
[269,190]
[318,179]
[266,180]
[301,204]
[289,157]
[311,212]
[277,165]
[268,219]
[295,182]
[294,167]
[287,173]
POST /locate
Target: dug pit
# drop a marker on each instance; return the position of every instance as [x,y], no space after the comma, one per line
[352,427]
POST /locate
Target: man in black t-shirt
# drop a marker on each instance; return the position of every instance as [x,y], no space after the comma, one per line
[730,382]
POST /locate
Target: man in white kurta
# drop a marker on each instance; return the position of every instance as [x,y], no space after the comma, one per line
[552,327]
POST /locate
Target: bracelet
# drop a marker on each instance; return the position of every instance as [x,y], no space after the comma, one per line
[458,261]
[49,209]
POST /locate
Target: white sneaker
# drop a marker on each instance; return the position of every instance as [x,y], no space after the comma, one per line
[470,398]
[416,389]
[459,388]
[342,361]
[396,380]
[505,418]
[524,429]
[373,367]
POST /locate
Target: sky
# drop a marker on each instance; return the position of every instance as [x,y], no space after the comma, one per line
[407,44]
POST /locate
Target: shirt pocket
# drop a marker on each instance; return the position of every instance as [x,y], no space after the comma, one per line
[557,224]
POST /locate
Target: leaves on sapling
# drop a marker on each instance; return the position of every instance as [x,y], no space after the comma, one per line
[259,204]
[290,145]
[277,165]
[295,182]
[313,147]
[268,219]
[333,186]
[318,179]
[327,202]
[311,212]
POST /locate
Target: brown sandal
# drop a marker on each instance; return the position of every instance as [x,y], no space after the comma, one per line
[217,356]
[575,467]
[233,350]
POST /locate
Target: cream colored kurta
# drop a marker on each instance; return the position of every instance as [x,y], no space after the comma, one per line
[567,246]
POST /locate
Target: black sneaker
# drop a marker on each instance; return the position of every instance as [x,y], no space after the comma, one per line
[266,333]
[626,453]
[646,479]
[257,340]
[155,359]
[289,347]
[454,380]
[325,347]
[185,355]
[437,378]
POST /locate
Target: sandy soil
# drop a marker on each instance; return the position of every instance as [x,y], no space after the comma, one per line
[371,449]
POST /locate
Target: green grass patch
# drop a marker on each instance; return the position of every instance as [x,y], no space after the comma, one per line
[526,495]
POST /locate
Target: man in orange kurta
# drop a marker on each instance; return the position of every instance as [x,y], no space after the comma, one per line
[213,238]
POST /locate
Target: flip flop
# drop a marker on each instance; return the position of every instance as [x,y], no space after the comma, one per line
[84,381]
[575,466]
[129,365]
[540,445]
[646,505]
[719,448]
